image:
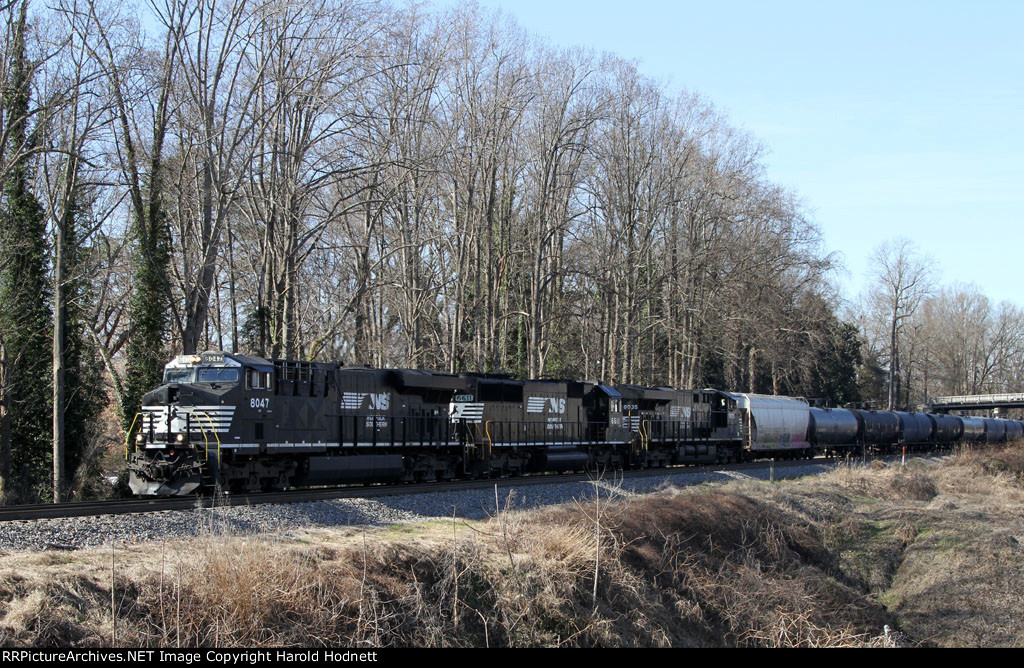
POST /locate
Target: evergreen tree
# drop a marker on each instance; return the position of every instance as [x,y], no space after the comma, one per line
[25,318]
[836,367]
[84,396]
[150,307]
[146,356]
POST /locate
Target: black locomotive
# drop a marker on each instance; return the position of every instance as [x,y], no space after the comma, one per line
[240,423]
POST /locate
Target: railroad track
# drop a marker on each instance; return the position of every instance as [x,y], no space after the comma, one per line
[127,506]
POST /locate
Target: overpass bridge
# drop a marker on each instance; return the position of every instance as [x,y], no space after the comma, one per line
[976,402]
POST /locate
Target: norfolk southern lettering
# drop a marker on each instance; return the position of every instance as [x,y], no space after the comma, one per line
[237,423]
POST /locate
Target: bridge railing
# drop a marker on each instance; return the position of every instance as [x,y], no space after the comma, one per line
[969,399]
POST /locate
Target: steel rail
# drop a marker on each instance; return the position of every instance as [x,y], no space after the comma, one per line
[151,505]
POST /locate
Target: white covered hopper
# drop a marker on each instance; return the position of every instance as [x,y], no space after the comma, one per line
[773,423]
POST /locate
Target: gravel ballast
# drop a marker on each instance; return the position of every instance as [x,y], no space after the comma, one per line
[79,532]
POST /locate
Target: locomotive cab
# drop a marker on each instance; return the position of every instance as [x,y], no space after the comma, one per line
[604,413]
[185,429]
[194,403]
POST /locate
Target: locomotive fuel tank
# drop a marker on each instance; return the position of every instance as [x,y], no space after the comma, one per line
[563,458]
[335,470]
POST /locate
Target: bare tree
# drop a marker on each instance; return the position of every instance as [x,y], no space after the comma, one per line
[312,58]
[558,140]
[480,120]
[970,346]
[68,164]
[403,125]
[903,281]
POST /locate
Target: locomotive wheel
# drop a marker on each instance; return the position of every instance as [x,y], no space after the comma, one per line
[424,476]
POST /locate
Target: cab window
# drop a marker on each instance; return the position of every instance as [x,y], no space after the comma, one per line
[209,374]
[178,375]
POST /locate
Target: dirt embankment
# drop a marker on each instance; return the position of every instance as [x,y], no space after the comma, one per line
[928,555]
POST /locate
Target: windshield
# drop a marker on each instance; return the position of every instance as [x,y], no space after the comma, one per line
[209,374]
[178,375]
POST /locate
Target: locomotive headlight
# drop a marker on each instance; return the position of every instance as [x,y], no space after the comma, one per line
[180,438]
[139,438]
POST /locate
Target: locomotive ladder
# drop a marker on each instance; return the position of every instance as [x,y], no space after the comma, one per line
[209,473]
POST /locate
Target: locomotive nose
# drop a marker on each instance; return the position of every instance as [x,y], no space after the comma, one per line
[176,393]
[159,396]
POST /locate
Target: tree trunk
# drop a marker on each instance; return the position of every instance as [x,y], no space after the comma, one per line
[892,362]
[58,366]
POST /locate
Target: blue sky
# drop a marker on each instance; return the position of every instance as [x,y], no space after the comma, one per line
[899,118]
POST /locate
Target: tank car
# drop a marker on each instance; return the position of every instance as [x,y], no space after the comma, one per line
[974,429]
[880,430]
[995,430]
[834,430]
[917,431]
[948,429]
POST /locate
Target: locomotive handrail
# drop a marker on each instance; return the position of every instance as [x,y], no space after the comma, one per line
[434,428]
[504,433]
[206,440]
[681,429]
[214,430]
[128,435]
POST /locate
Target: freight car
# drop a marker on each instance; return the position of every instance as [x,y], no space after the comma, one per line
[241,423]
[775,425]
[835,430]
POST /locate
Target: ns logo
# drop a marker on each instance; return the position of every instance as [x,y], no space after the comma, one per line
[354,401]
[379,402]
[545,405]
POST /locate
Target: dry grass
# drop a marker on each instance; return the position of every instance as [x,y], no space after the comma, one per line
[938,544]
[879,481]
[931,551]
